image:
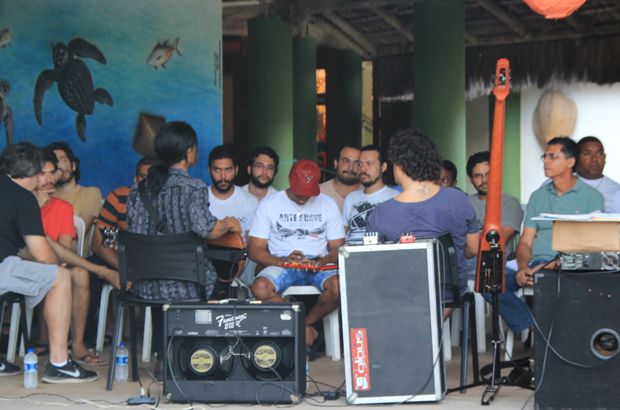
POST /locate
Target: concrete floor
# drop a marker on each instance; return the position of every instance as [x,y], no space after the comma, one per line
[322,369]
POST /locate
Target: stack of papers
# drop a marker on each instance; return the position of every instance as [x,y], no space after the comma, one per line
[594,216]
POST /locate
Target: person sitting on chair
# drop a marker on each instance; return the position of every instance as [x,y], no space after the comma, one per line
[182,203]
[295,225]
[425,208]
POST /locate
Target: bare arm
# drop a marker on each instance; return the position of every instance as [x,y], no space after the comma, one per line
[88,221]
[332,256]
[108,254]
[228,224]
[472,241]
[507,233]
[257,251]
[73,259]
[524,255]
[41,250]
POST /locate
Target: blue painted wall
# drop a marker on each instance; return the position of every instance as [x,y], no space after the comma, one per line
[188,89]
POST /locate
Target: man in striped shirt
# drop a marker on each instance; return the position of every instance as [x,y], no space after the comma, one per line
[112,216]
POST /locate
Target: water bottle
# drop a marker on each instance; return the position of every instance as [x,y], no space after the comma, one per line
[121,372]
[30,370]
[307,373]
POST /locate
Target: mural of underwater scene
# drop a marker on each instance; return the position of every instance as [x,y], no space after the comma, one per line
[83,71]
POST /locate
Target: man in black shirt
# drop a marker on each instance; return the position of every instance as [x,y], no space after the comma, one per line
[21,226]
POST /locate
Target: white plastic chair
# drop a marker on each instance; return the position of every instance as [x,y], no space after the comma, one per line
[15,314]
[331,322]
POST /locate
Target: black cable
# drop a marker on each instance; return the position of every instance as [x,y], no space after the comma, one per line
[79,401]
[148,388]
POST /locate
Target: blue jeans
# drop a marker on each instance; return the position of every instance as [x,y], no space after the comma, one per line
[512,309]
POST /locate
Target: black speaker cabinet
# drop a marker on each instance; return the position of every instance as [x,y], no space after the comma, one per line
[585,331]
[235,353]
[391,313]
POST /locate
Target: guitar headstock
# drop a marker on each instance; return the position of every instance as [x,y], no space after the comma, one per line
[502,79]
[109,237]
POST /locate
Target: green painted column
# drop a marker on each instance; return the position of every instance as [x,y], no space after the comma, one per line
[343,102]
[270,90]
[511,177]
[304,98]
[439,77]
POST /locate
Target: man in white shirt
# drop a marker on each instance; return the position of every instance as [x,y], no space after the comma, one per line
[294,226]
[590,169]
[359,204]
[262,168]
[226,199]
[347,176]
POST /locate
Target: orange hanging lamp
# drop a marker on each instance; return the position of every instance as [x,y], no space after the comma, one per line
[554,9]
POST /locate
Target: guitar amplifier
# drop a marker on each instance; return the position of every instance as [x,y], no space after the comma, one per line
[235,353]
[392,318]
[581,316]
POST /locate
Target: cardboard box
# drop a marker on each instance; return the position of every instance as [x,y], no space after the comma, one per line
[586,236]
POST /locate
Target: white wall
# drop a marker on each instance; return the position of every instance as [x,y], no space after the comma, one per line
[598,114]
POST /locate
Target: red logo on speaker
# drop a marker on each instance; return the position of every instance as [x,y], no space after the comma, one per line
[359,359]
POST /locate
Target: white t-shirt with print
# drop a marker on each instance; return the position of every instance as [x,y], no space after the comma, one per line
[291,227]
[240,204]
[357,207]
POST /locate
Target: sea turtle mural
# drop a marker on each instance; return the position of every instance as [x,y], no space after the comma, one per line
[75,84]
[5,112]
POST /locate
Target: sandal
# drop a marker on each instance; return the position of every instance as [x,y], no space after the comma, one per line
[92,357]
[45,348]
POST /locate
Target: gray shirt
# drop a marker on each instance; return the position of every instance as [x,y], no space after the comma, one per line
[512,215]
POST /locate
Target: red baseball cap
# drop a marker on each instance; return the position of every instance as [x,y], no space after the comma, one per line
[304,178]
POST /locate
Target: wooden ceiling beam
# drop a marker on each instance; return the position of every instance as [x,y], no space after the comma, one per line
[351,31]
[575,23]
[320,6]
[502,15]
[609,29]
[393,21]
[331,30]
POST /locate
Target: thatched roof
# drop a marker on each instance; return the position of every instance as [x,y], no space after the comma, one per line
[582,47]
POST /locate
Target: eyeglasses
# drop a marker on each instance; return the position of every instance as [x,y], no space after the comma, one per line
[480,176]
[551,157]
[260,167]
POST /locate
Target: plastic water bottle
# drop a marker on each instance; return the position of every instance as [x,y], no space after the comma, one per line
[121,372]
[30,370]
[307,373]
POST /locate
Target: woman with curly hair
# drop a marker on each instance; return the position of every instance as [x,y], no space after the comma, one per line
[424,207]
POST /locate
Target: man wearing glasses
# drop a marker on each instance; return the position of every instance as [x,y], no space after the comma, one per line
[262,168]
[566,194]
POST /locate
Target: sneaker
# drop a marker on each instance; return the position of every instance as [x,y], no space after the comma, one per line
[8,369]
[69,373]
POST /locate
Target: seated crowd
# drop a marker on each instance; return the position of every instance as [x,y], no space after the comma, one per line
[305,223]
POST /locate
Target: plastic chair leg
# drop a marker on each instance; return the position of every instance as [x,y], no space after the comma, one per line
[117,339]
[13,333]
[331,325]
[148,335]
[447,348]
[103,313]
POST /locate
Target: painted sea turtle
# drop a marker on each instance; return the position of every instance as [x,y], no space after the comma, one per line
[75,84]
[5,112]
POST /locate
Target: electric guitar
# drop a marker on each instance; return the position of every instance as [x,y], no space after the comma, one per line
[231,245]
[490,265]
[309,267]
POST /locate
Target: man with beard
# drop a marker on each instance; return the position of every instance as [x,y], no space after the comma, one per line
[226,199]
[347,176]
[359,204]
[262,168]
[512,213]
[297,225]
[590,169]
[86,201]
[57,218]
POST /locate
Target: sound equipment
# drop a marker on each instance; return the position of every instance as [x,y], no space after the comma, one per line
[392,318]
[235,353]
[591,261]
[585,331]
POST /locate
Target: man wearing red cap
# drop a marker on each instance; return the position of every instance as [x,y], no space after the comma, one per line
[295,225]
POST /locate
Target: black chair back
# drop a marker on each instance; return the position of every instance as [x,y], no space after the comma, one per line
[177,256]
[447,264]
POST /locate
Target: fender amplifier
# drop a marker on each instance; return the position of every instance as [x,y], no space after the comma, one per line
[392,317]
[235,353]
